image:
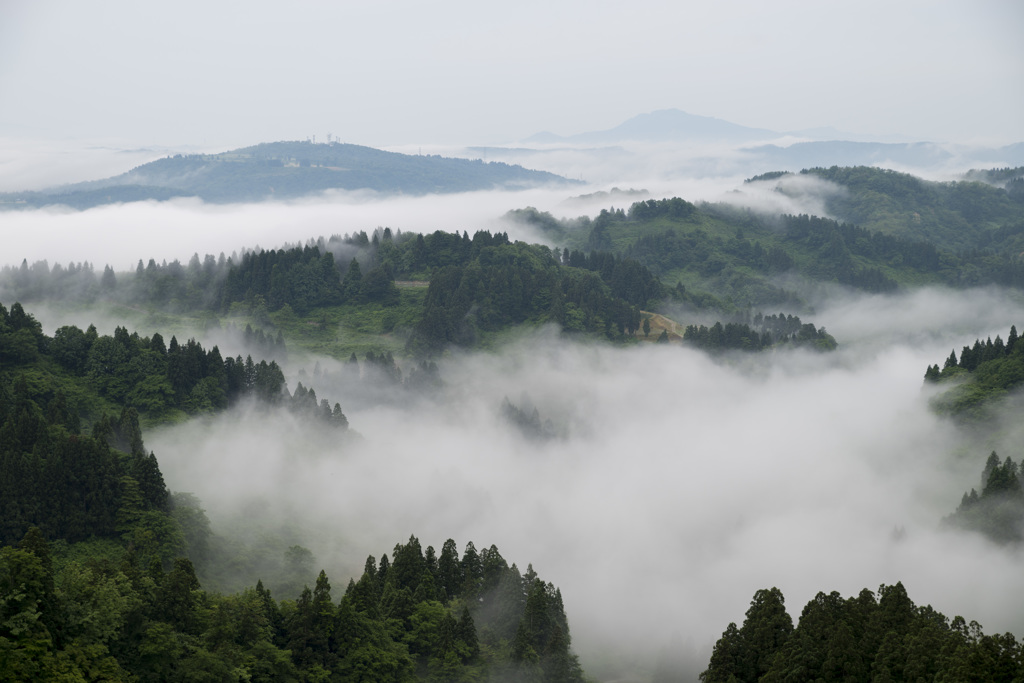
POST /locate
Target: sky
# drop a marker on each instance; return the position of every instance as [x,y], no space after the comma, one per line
[219,75]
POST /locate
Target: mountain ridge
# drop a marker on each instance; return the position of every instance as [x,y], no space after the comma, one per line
[661,125]
[286,170]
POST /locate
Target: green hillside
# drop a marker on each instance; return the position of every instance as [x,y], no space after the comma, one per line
[953,234]
[983,211]
[986,373]
[460,290]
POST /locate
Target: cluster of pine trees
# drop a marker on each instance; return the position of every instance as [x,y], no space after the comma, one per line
[501,283]
[305,278]
[766,332]
[421,615]
[74,485]
[264,344]
[146,374]
[673,248]
[528,421]
[416,617]
[869,637]
[508,284]
[992,370]
[999,511]
[973,356]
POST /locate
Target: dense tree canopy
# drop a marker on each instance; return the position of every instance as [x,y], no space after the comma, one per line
[879,636]
[984,374]
[999,511]
[117,619]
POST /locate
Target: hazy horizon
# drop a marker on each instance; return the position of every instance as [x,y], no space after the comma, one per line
[403,73]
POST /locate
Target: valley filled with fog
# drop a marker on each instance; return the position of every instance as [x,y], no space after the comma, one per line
[671,484]
[677,485]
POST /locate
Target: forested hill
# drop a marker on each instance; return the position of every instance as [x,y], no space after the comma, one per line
[477,286]
[730,258]
[69,616]
[87,374]
[71,453]
[285,170]
[984,211]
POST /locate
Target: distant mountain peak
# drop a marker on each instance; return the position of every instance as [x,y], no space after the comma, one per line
[665,125]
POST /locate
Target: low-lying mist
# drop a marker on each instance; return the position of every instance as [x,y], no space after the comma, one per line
[679,484]
[121,234]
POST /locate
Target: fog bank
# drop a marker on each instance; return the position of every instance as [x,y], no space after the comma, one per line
[684,483]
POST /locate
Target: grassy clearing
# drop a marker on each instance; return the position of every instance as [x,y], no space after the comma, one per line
[340,331]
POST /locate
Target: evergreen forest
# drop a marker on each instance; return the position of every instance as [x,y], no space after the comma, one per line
[873,636]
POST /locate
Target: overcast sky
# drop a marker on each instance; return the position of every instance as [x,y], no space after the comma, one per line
[399,73]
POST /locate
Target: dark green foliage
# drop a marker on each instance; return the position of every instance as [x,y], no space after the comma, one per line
[999,511]
[746,654]
[71,485]
[104,483]
[859,639]
[497,284]
[767,332]
[951,215]
[151,379]
[478,286]
[388,625]
[121,620]
[984,374]
[21,336]
[834,246]
[657,208]
[896,230]
[303,277]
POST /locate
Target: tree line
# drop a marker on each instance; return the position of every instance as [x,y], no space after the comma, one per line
[510,283]
[998,512]
[146,374]
[873,636]
[767,332]
[991,368]
[419,616]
